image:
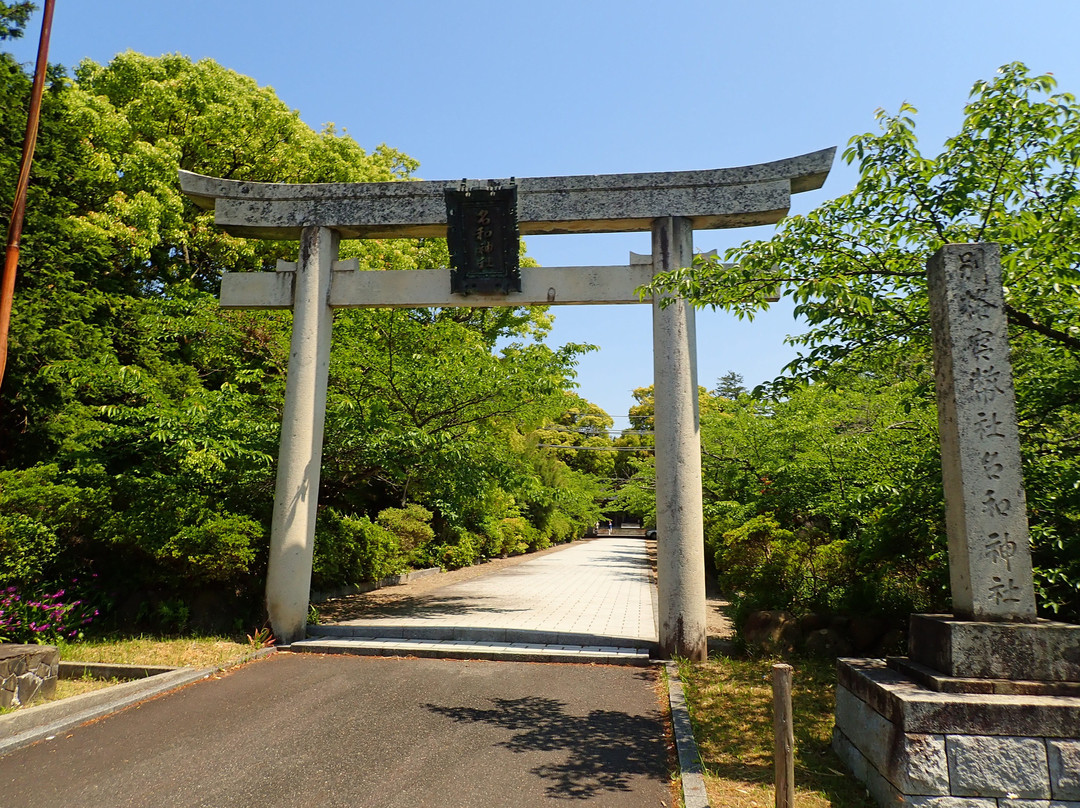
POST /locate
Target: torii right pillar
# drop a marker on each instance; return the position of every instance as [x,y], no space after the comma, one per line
[680,544]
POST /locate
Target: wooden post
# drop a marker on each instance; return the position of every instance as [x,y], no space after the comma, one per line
[18,211]
[784,736]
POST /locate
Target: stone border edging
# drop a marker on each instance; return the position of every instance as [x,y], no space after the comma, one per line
[371,586]
[693,783]
[109,670]
[24,727]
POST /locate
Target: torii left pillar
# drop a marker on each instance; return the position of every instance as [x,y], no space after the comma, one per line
[296,496]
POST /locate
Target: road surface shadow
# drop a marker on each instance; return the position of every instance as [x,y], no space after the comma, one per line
[605,749]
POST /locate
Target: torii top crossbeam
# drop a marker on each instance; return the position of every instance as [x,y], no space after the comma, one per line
[606,203]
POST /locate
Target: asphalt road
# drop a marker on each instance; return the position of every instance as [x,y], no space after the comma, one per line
[309,730]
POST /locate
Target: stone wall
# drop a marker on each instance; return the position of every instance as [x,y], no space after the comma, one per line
[780,633]
[27,672]
[914,747]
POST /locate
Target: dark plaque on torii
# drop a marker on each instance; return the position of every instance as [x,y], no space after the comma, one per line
[482,234]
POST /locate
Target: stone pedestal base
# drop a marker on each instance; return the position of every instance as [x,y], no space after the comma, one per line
[26,672]
[914,746]
[1043,650]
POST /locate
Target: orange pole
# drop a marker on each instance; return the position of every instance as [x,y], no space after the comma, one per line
[18,210]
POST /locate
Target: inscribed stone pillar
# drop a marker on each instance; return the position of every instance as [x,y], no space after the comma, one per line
[292,532]
[985,509]
[679,523]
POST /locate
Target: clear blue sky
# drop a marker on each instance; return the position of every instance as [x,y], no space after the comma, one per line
[495,89]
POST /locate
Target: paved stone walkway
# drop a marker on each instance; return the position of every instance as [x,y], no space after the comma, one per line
[594,601]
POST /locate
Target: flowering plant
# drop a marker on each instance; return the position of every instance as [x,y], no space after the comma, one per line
[41,620]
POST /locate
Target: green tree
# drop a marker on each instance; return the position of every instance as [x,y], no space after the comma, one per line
[838,486]
[13,19]
[148,417]
[730,385]
[584,429]
[855,268]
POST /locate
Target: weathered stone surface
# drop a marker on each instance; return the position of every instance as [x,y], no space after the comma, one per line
[772,631]
[680,556]
[919,710]
[1044,650]
[935,680]
[1037,804]
[1064,760]
[1011,767]
[292,527]
[729,197]
[27,672]
[985,509]
[914,764]
[949,802]
[882,791]
[549,286]
[827,642]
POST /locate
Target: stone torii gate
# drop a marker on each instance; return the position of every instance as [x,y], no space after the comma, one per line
[671,205]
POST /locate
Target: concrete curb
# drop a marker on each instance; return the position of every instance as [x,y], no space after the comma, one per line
[693,783]
[32,724]
[29,725]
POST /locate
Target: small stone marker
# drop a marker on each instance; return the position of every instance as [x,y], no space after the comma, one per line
[985,508]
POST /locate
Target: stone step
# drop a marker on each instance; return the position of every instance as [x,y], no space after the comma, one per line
[478,634]
[470,649]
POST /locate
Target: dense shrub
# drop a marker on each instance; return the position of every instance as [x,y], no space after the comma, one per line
[411,525]
[28,550]
[463,551]
[351,549]
[518,535]
[219,548]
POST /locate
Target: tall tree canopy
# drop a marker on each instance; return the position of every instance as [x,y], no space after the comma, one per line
[139,421]
[855,268]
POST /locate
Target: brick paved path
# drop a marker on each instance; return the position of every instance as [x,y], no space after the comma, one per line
[592,598]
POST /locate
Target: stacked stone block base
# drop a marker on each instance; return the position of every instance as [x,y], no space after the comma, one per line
[914,747]
[27,672]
